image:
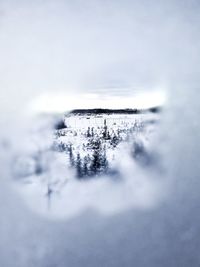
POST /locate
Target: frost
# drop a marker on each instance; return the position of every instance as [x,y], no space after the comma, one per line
[144,209]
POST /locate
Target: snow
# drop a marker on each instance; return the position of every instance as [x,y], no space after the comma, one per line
[46,174]
[106,226]
[149,217]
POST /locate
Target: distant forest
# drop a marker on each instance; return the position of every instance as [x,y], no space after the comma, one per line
[98,111]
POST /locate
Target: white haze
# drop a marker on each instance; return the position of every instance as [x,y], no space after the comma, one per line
[100,47]
[75,46]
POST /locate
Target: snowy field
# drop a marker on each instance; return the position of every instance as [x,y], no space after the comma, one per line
[89,149]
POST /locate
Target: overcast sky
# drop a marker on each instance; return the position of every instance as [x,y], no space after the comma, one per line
[117,47]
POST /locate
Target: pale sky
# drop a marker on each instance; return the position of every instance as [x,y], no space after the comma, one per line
[95,47]
[61,103]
